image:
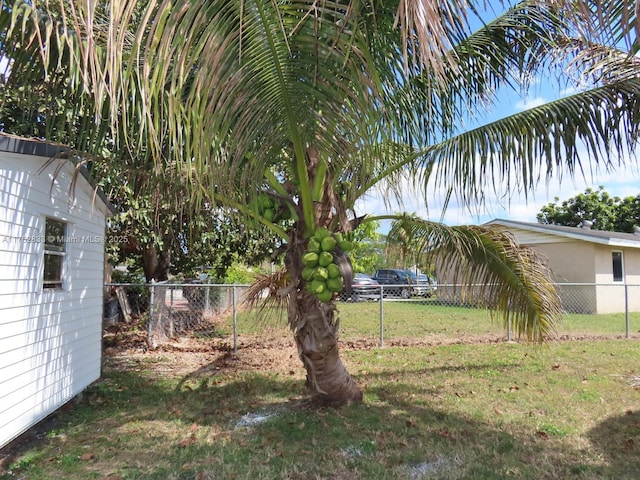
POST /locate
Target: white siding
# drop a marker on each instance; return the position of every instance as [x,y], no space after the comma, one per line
[50,340]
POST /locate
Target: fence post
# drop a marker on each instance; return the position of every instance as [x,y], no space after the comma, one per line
[150,322]
[381,316]
[207,306]
[172,330]
[626,310]
[235,320]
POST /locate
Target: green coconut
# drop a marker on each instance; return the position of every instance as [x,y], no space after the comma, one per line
[334,270]
[321,233]
[325,259]
[328,244]
[310,259]
[335,284]
[320,273]
[318,286]
[345,245]
[307,273]
[314,245]
[325,296]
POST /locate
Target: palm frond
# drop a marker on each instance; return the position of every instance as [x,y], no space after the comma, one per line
[269,291]
[612,22]
[429,30]
[504,52]
[517,152]
[493,270]
[598,64]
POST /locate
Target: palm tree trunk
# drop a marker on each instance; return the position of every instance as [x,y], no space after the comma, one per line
[316,336]
[315,327]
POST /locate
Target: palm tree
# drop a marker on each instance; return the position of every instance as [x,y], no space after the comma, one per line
[290,111]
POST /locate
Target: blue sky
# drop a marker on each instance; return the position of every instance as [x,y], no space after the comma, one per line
[623,182]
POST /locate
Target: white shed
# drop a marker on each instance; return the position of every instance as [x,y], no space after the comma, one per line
[51,282]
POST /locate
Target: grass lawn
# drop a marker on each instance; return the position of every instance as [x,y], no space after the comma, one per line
[427,321]
[480,410]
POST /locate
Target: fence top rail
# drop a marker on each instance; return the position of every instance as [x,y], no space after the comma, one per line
[440,285]
[558,284]
[181,285]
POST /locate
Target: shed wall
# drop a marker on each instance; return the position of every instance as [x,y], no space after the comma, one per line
[50,340]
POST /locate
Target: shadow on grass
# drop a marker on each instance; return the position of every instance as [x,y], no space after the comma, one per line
[618,439]
[136,426]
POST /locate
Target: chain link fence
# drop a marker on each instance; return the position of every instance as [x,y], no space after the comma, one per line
[174,310]
[171,311]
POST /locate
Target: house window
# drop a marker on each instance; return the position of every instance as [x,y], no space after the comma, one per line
[54,252]
[617,266]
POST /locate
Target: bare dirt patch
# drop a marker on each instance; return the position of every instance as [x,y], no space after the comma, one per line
[128,350]
[189,355]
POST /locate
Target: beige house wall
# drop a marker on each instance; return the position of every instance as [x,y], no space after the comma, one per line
[577,262]
[612,296]
[572,262]
[584,262]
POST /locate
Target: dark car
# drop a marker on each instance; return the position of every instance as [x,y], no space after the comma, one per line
[363,287]
[401,283]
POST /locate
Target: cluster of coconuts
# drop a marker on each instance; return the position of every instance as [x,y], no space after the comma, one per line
[321,274]
[270,209]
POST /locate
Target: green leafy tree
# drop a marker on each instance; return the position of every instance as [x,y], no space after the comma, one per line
[281,109]
[160,232]
[628,214]
[367,247]
[595,206]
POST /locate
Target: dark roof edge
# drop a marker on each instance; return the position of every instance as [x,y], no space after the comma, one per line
[30,146]
[41,148]
[98,191]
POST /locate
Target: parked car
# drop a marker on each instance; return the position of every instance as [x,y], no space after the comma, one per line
[363,287]
[427,285]
[400,282]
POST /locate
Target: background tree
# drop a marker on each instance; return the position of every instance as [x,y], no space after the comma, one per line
[606,212]
[628,214]
[281,109]
[368,247]
[596,206]
[164,233]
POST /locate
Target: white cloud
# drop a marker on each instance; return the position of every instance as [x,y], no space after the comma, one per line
[527,103]
[622,182]
[569,91]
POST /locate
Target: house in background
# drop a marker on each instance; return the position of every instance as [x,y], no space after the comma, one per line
[52,227]
[606,263]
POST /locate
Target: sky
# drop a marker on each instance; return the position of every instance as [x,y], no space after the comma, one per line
[622,182]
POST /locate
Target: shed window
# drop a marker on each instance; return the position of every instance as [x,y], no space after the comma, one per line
[617,266]
[54,252]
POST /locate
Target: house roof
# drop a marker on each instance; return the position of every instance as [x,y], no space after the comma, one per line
[614,239]
[41,148]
